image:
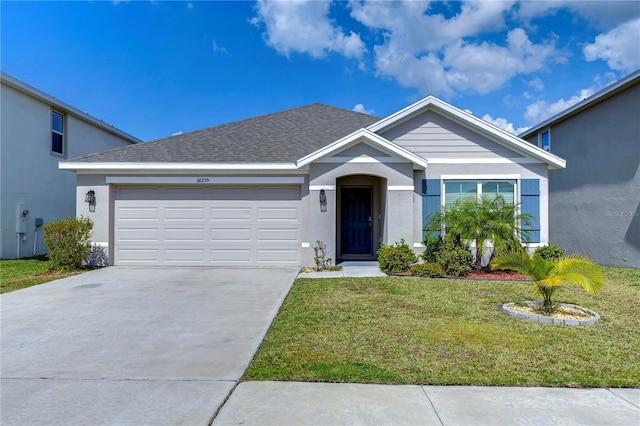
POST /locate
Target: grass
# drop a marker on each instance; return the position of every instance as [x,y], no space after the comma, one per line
[23,273]
[450,332]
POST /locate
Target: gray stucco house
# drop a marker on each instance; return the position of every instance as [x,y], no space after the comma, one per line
[36,132]
[262,191]
[594,204]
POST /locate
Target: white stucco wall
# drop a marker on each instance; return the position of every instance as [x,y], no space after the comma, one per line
[29,171]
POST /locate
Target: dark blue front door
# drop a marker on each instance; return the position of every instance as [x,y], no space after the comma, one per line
[355,235]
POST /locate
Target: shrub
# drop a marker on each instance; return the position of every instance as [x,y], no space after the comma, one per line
[396,258]
[432,245]
[68,242]
[97,257]
[455,260]
[549,252]
[481,221]
[429,269]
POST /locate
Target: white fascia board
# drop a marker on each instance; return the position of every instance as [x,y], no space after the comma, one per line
[465,119]
[137,168]
[57,104]
[371,139]
[208,180]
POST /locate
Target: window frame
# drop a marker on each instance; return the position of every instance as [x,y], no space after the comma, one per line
[546,131]
[479,181]
[62,134]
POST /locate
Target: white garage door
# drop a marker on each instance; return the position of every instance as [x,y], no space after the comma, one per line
[232,226]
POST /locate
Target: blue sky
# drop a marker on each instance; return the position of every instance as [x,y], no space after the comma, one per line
[154,68]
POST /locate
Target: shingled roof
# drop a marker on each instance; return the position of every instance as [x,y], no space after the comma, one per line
[281,137]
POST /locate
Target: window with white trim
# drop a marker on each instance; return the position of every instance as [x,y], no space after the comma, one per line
[57,133]
[455,190]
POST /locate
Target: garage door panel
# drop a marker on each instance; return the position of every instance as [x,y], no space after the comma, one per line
[231,235]
[233,226]
[138,256]
[231,213]
[184,214]
[280,213]
[138,213]
[138,234]
[194,235]
[231,256]
[277,235]
[182,256]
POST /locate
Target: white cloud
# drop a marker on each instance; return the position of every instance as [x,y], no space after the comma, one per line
[602,14]
[426,50]
[541,110]
[536,83]
[362,109]
[504,124]
[414,44]
[217,48]
[305,27]
[474,66]
[619,47]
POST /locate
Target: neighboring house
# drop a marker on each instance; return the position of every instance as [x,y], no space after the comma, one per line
[594,204]
[263,191]
[36,132]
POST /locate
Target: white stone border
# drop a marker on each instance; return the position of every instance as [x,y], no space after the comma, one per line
[549,320]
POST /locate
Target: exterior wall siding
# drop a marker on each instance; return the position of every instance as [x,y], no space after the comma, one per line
[433,136]
[29,172]
[594,204]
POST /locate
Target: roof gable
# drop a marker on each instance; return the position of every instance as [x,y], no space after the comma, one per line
[369,138]
[468,121]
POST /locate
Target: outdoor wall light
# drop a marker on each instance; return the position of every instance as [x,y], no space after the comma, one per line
[323,201]
[91,199]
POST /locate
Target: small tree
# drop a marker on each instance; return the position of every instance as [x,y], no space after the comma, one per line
[486,220]
[549,274]
[68,241]
[321,260]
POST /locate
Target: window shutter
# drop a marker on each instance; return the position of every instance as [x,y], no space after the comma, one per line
[530,203]
[430,200]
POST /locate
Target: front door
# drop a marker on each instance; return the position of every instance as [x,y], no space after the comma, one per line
[356,224]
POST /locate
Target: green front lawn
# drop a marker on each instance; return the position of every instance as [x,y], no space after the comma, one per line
[22,273]
[437,331]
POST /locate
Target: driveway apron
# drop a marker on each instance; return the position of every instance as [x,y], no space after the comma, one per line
[125,345]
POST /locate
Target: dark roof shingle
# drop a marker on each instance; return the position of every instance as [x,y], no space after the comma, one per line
[281,137]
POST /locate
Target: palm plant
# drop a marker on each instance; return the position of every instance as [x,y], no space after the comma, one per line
[549,274]
[486,220]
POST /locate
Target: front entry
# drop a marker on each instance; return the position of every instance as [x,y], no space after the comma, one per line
[356,228]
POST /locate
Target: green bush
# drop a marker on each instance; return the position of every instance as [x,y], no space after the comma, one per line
[396,258]
[429,269]
[549,252]
[68,242]
[455,260]
[432,245]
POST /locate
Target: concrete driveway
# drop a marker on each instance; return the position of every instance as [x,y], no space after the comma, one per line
[131,346]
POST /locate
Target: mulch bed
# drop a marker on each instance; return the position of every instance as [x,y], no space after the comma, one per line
[482,275]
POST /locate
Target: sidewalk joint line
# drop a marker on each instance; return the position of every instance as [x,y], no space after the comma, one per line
[623,398]
[432,406]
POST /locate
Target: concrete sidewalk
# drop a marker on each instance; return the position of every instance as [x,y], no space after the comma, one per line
[293,403]
[349,269]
